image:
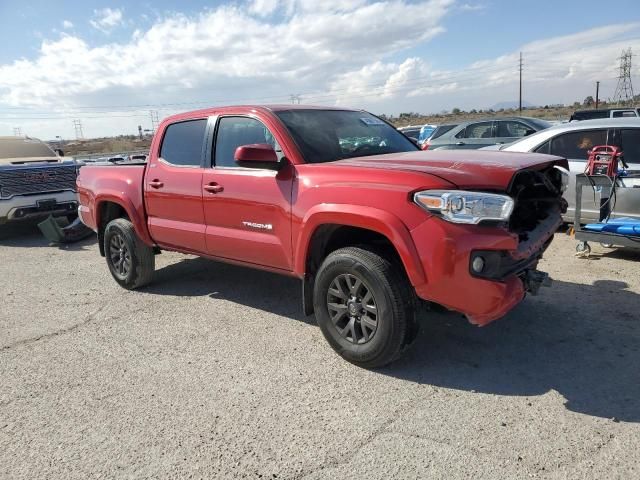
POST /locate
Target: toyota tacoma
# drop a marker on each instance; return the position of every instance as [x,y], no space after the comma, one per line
[340,199]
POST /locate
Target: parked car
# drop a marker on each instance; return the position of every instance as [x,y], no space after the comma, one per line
[35,181]
[368,229]
[480,133]
[425,132]
[605,113]
[411,131]
[573,142]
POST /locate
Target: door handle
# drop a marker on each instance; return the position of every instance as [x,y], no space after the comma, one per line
[213,187]
[460,143]
[156,184]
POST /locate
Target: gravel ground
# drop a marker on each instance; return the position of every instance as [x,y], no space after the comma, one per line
[213,372]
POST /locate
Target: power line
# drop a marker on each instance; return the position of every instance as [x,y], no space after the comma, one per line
[154,120]
[77,125]
[520,98]
[624,90]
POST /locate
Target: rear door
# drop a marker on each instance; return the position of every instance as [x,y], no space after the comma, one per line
[574,146]
[247,210]
[507,131]
[173,188]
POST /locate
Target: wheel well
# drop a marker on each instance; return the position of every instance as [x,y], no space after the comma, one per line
[108,211]
[331,237]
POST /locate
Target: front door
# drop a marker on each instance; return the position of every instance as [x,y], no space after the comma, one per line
[247,210]
[173,188]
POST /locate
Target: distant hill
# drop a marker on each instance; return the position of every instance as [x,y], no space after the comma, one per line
[510,105]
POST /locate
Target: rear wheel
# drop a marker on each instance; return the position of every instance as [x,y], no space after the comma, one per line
[363,307]
[131,262]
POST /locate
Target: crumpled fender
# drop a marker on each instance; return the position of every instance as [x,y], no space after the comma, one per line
[370,218]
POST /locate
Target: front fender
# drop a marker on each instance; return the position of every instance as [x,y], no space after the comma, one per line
[369,218]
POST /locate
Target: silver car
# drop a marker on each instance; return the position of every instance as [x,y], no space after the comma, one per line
[481,133]
[573,140]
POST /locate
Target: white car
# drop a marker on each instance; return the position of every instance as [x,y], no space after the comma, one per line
[573,140]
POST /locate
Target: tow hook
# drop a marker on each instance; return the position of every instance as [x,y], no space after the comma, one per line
[534,279]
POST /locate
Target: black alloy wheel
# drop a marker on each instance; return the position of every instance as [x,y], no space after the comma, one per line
[352,308]
[120,255]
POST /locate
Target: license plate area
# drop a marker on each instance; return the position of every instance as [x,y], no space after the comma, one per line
[47,204]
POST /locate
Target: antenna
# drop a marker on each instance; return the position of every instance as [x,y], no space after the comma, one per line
[624,90]
[77,125]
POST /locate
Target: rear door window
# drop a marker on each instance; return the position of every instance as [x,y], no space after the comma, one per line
[630,143]
[575,145]
[478,130]
[510,128]
[182,143]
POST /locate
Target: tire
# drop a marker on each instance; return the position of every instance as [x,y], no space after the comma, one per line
[368,323]
[130,261]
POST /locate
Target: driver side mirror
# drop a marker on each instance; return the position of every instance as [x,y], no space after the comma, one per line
[257,155]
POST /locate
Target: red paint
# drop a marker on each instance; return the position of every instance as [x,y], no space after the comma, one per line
[266,218]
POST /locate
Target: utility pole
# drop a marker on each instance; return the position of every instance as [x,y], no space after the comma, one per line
[154,120]
[77,125]
[624,90]
[295,98]
[520,101]
[597,94]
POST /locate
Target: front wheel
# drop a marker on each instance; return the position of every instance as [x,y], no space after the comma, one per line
[363,307]
[131,262]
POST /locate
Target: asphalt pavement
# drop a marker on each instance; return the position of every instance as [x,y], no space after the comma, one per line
[213,372]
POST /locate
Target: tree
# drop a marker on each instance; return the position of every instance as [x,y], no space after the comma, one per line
[456,111]
[588,101]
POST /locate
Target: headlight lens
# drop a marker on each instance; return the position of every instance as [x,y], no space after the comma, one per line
[458,206]
[564,177]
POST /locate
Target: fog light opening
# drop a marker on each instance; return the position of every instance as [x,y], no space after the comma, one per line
[478,264]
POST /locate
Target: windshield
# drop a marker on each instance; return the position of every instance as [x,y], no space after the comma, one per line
[19,147]
[329,135]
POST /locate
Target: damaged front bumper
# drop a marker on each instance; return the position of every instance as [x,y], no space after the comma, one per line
[499,282]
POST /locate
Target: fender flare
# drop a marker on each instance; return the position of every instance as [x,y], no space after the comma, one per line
[137,220]
[368,218]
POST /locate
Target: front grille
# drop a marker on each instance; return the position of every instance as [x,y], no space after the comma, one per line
[24,181]
[538,197]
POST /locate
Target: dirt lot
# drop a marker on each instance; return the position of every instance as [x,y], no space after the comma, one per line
[212,372]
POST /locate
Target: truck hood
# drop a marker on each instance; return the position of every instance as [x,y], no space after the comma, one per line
[464,168]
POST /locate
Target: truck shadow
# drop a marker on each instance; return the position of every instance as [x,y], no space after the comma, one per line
[580,340]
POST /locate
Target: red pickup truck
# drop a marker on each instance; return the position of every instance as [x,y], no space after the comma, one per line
[342,200]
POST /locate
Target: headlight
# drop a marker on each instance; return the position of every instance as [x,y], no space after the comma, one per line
[458,206]
[564,178]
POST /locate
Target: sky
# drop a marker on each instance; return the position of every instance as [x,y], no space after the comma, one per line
[108,64]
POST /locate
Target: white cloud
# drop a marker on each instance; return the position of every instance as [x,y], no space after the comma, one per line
[472,7]
[67,24]
[106,19]
[263,8]
[346,52]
